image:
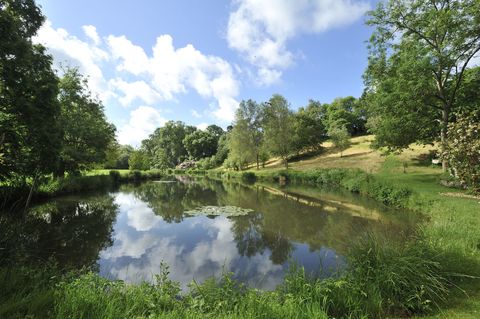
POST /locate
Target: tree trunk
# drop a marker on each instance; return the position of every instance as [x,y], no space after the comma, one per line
[258,164]
[443,136]
[30,194]
[286,163]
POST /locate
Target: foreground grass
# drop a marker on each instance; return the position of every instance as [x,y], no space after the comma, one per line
[381,279]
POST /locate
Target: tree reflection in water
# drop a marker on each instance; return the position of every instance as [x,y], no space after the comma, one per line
[71,231]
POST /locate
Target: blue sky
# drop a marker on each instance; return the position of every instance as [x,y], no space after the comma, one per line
[153,61]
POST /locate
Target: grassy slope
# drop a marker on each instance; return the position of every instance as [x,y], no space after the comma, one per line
[453,222]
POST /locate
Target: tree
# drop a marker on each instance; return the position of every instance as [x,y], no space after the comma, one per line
[462,149]
[215,130]
[117,156]
[165,148]
[279,127]
[240,144]
[469,94]
[28,91]
[419,53]
[309,128]
[200,144]
[346,111]
[222,150]
[340,138]
[86,132]
[249,131]
[139,160]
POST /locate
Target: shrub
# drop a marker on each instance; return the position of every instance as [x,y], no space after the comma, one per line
[249,177]
[462,149]
[115,176]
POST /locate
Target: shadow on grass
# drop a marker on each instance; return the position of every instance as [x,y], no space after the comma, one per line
[306,155]
[356,154]
[463,274]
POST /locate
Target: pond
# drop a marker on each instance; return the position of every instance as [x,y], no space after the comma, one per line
[201,228]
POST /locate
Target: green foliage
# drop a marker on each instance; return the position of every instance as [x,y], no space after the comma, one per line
[86,132]
[309,128]
[240,146]
[462,149]
[28,88]
[398,278]
[340,138]
[245,140]
[222,150]
[117,156]
[165,148]
[346,112]
[382,279]
[139,160]
[419,54]
[249,177]
[200,144]
[354,180]
[91,296]
[27,292]
[73,184]
[278,126]
[207,163]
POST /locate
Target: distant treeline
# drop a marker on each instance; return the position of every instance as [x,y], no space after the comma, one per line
[259,131]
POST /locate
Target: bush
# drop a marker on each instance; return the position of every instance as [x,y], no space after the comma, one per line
[115,176]
[462,149]
[249,177]
[207,163]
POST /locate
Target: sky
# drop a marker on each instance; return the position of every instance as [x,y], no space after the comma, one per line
[194,60]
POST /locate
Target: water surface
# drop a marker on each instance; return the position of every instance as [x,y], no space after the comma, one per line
[126,234]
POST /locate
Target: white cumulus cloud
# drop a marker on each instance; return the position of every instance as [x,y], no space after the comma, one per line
[260,30]
[171,71]
[71,51]
[143,121]
[135,90]
[143,79]
[91,32]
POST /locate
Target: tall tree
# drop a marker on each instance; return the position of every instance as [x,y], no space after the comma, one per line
[346,111]
[165,147]
[247,134]
[340,137]
[419,53]
[139,160]
[201,144]
[310,130]
[279,127]
[240,144]
[28,90]
[252,113]
[86,132]
[117,156]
